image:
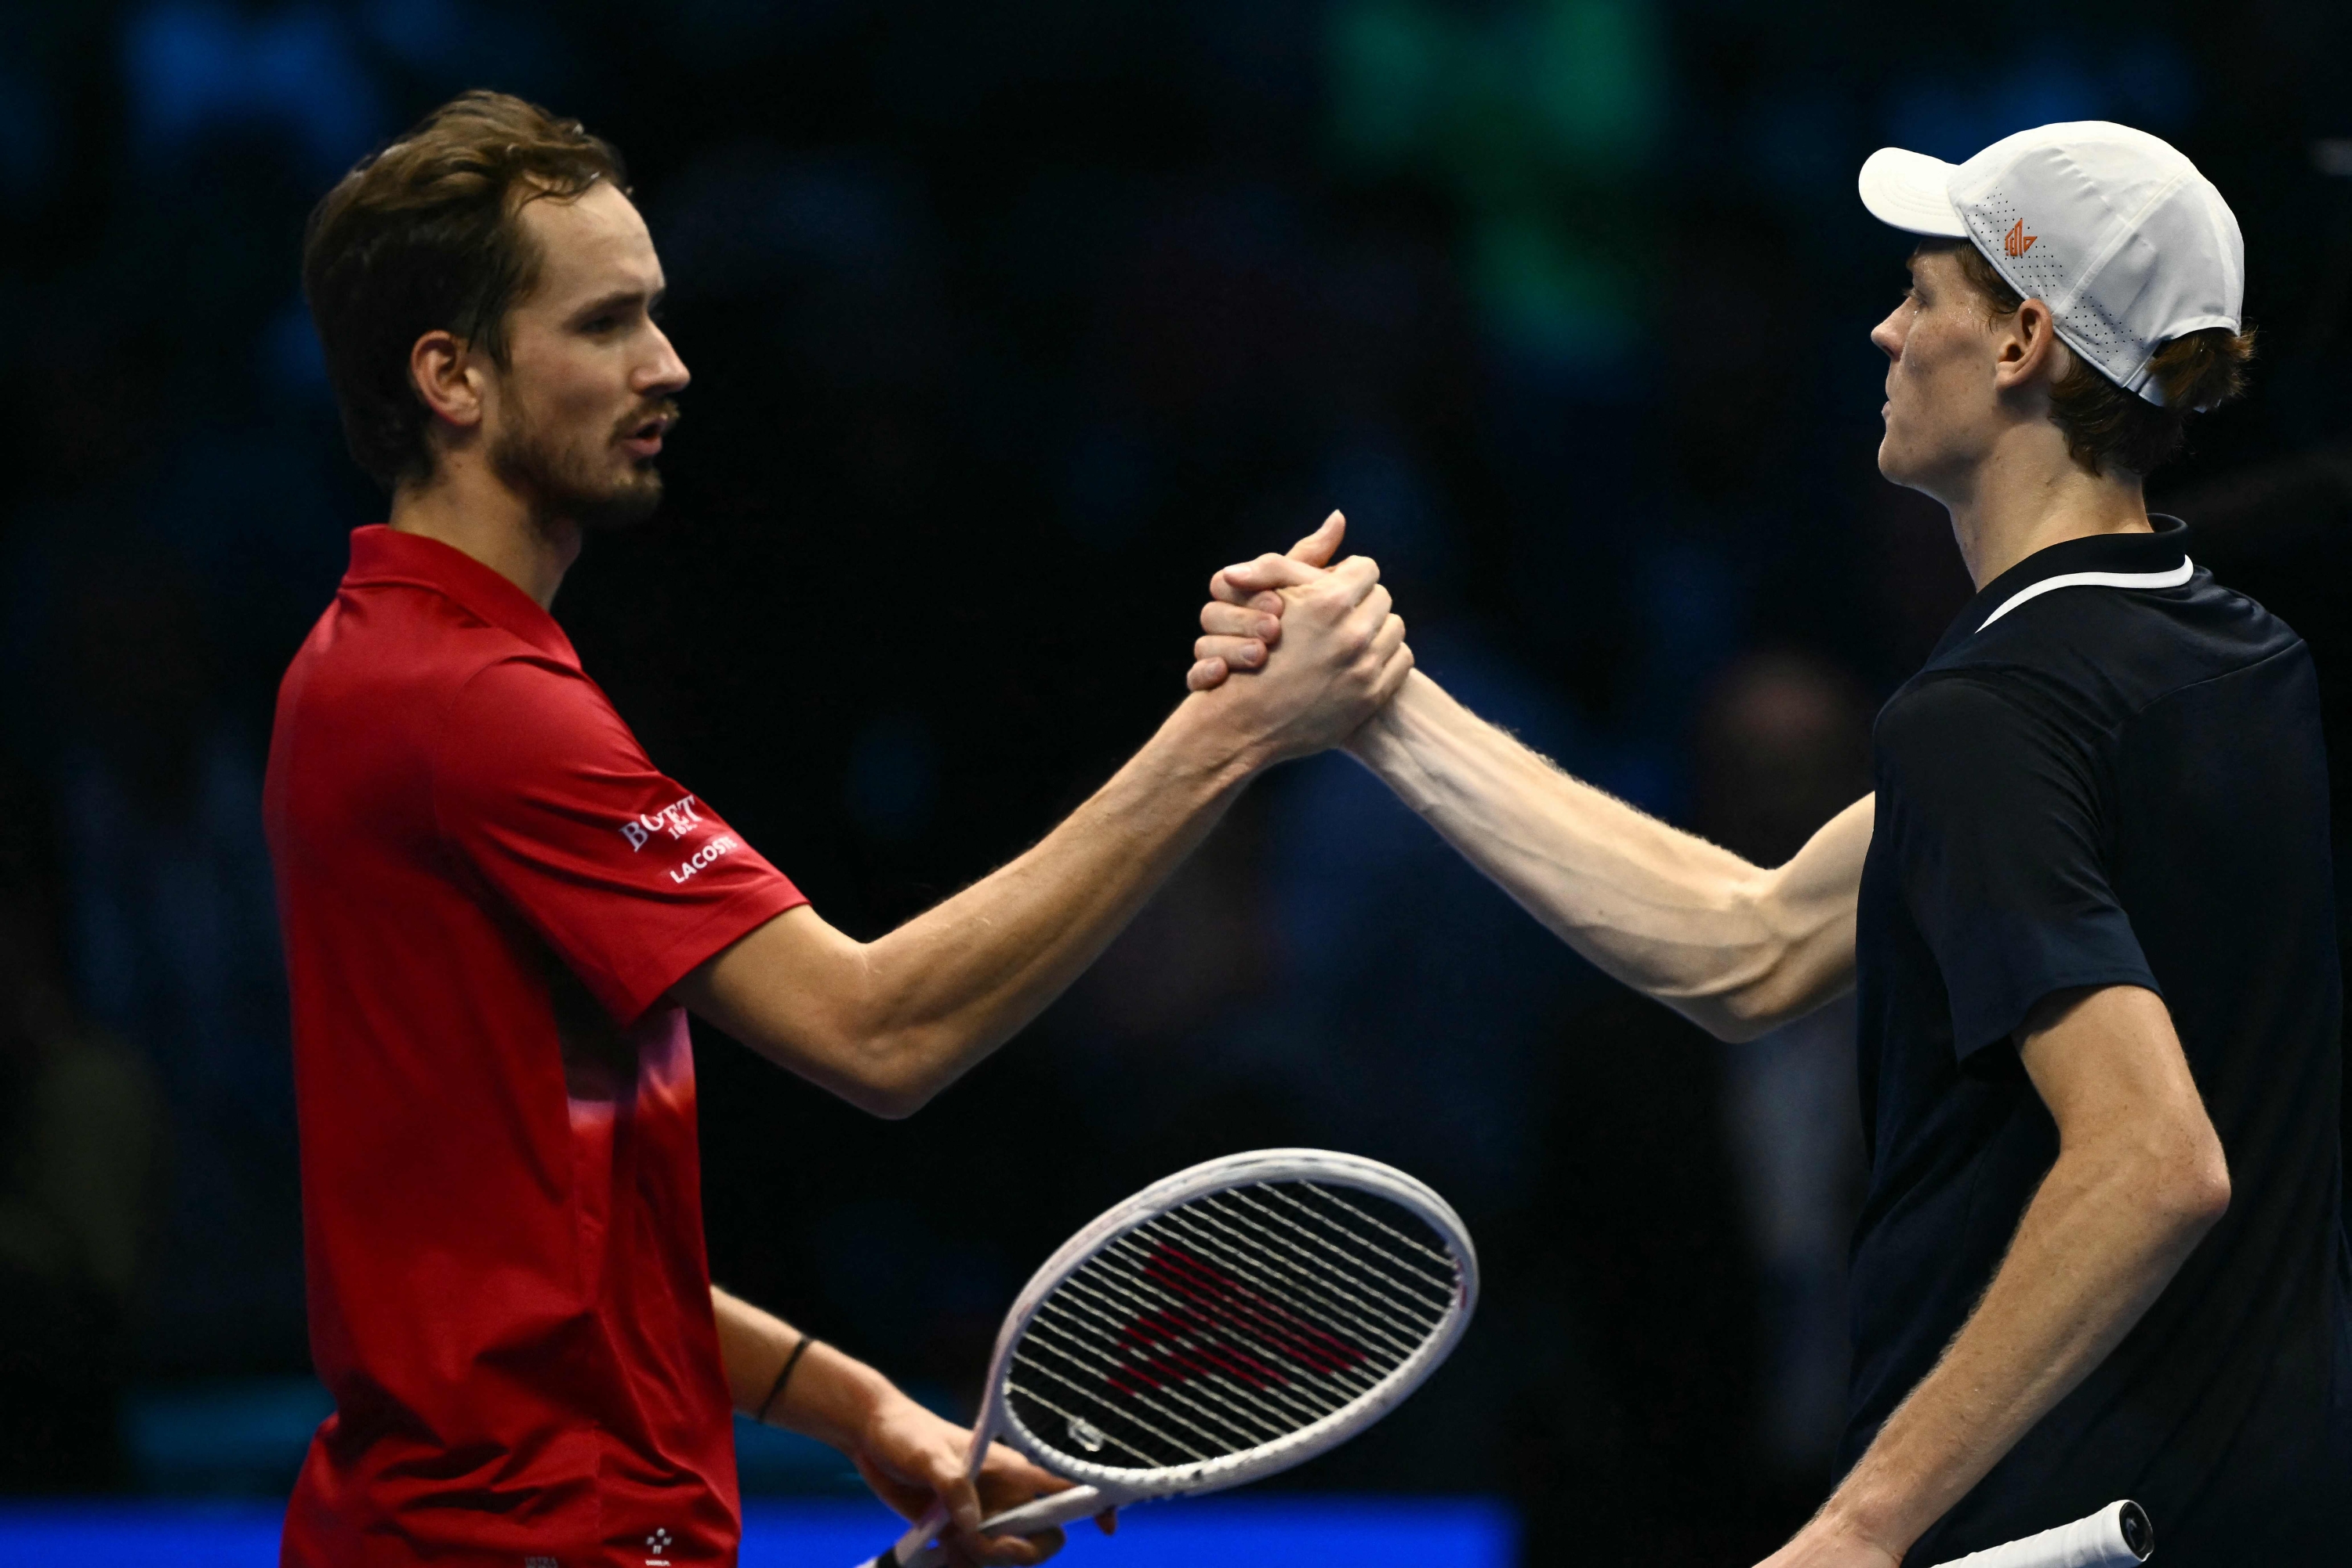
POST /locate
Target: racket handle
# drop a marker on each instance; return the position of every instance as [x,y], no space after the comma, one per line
[2118,1536]
[1047,1512]
[916,1549]
[914,1544]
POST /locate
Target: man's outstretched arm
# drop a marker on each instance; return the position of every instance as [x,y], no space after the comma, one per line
[1735,948]
[887,1024]
[2139,1179]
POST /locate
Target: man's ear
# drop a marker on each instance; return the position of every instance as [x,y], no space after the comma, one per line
[2028,350]
[443,368]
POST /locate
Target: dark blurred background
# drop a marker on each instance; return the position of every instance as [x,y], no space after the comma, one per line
[1009,323]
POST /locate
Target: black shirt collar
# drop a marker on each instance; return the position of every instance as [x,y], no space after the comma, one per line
[2163,551]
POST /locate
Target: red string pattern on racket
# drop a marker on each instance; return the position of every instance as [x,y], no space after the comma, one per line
[1196,1338]
[1228,1323]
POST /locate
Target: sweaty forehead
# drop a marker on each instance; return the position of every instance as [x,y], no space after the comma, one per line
[1931,258]
[590,247]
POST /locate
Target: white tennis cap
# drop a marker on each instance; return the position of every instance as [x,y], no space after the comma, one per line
[2128,245]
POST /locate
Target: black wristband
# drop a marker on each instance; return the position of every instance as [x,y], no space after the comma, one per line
[782,1377]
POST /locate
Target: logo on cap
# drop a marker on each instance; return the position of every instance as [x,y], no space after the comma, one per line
[2016,242]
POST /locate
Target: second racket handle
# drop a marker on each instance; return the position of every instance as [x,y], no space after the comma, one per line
[914,1544]
[1045,1514]
[2117,1536]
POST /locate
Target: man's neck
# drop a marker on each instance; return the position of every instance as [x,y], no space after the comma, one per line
[469,509]
[2030,494]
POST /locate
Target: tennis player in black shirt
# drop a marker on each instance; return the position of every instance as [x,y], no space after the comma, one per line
[2088,909]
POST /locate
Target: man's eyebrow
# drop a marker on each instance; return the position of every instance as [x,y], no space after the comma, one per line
[616,300]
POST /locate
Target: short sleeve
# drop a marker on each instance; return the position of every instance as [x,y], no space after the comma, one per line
[1997,819]
[542,792]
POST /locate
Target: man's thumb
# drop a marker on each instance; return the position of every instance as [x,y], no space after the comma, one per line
[958,1497]
[1318,548]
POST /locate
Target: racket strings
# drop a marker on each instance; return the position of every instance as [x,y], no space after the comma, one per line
[1380,1268]
[1249,1398]
[1258,1414]
[1212,1434]
[1201,1290]
[1086,1435]
[1170,1319]
[1445,1279]
[1256,1269]
[1229,1323]
[1268,1246]
[1095,1338]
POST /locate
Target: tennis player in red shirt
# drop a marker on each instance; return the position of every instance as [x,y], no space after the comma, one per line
[497,912]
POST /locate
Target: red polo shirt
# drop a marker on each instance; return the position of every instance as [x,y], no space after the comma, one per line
[486,890]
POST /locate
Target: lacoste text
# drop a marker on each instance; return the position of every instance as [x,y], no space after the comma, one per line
[722,845]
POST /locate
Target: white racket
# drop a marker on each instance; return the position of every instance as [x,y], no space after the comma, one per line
[1225,1323]
[2118,1536]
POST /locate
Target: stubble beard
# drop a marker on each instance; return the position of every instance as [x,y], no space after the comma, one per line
[564,482]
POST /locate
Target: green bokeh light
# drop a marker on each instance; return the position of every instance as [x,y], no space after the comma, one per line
[1539,120]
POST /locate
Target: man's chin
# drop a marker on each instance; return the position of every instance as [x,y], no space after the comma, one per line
[1907,471]
[622,508]
[602,497]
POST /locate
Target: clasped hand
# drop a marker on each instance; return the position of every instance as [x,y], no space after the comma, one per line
[1347,645]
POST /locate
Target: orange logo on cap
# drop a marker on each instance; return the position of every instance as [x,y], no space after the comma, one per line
[2016,242]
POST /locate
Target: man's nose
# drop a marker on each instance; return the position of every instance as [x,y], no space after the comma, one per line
[667,373]
[1889,341]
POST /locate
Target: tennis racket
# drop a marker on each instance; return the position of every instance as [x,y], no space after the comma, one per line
[2118,1536]
[1223,1324]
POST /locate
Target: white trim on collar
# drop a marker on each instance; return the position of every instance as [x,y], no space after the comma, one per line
[2172,579]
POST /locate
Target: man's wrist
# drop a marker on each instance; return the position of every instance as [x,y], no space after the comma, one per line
[793,1360]
[1377,736]
[833,1397]
[1211,745]
[1872,1509]
[1384,743]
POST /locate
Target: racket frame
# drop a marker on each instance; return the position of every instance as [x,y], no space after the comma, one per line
[1117,1485]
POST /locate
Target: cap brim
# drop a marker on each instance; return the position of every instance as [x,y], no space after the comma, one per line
[1906,190]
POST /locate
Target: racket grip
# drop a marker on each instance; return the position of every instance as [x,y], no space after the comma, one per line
[916,1549]
[1046,1513]
[912,1545]
[2118,1536]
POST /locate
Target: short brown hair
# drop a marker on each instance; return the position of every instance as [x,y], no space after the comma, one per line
[426,235]
[2108,427]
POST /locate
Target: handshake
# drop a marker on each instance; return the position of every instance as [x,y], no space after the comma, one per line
[1319,644]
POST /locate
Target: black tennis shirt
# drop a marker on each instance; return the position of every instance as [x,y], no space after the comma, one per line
[2110,772]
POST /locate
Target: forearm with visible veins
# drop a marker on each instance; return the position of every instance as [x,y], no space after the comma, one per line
[1736,948]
